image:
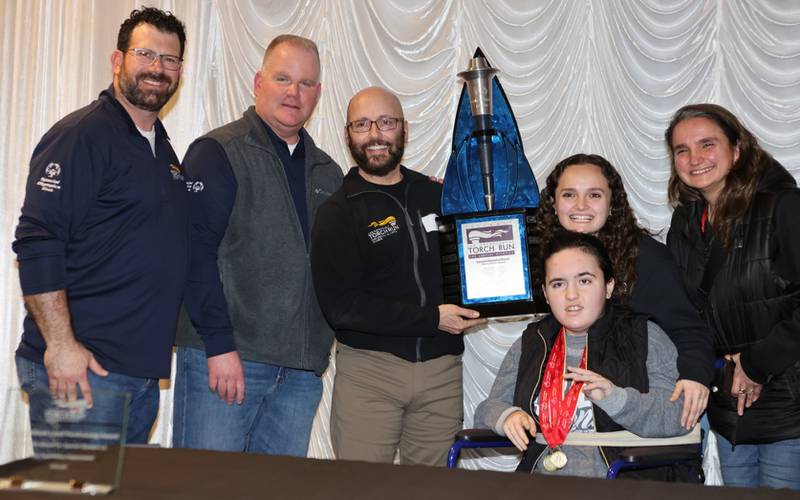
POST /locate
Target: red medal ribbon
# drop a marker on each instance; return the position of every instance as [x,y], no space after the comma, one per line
[555,408]
[703,220]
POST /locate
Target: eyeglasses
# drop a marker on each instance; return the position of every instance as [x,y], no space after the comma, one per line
[146,57]
[384,124]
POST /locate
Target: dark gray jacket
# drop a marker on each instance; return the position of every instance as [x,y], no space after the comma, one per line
[263,262]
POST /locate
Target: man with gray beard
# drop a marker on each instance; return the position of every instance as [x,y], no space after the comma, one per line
[102,241]
[376,268]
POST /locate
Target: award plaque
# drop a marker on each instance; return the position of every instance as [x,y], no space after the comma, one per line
[489,201]
[76,449]
[486,263]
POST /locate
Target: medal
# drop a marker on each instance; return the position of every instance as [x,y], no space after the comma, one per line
[556,409]
[554,460]
[548,464]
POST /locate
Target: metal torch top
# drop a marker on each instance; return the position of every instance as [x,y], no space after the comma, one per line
[478,68]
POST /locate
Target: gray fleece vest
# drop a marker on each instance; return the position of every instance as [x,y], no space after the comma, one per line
[263,261]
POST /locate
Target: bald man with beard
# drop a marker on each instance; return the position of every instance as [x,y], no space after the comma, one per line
[376,269]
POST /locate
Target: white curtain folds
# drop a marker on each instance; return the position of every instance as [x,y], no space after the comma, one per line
[599,76]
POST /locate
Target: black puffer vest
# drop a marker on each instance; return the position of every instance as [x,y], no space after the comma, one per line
[617,350]
[746,299]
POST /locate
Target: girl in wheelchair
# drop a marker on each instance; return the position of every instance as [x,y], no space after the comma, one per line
[588,380]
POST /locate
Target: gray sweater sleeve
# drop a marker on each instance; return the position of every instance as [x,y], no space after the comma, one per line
[492,412]
[650,414]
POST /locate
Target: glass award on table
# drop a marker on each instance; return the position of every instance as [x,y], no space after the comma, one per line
[75,449]
[489,200]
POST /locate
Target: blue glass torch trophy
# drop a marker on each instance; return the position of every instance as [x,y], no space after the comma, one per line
[489,201]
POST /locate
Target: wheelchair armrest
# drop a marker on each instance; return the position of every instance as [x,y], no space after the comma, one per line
[658,454]
[475,438]
[479,436]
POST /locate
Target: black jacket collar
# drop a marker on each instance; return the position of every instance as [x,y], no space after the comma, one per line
[549,326]
[355,184]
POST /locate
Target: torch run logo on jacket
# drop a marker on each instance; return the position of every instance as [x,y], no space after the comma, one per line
[383,228]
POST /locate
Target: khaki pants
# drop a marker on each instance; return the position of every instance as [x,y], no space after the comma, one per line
[382,403]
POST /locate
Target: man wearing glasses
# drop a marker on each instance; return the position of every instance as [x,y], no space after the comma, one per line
[375,257]
[102,241]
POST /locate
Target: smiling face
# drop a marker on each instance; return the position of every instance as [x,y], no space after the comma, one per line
[576,289]
[377,152]
[147,87]
[582,198]
[287,89]
[703,156]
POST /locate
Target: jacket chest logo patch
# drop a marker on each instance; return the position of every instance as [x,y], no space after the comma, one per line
[50,181]
[382,228]
[176,172]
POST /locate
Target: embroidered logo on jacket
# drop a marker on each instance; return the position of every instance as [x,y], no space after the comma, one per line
[175,170]
[49,182]
[380,223]
[383,228]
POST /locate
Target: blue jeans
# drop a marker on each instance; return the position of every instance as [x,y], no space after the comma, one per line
[142,408]
[275,417]
[774,465]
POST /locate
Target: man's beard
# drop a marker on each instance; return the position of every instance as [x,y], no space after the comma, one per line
[394,152]
[146,100]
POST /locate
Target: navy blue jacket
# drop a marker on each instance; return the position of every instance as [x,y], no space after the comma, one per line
[107,221]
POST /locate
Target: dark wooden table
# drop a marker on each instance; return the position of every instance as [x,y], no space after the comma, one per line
[154,473]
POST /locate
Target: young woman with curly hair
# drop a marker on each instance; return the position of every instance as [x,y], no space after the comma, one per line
[584,193]
[734,236]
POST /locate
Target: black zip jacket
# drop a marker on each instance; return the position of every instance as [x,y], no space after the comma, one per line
[752,306]
[376,267]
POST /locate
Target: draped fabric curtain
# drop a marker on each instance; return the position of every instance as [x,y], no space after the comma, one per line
[600,76]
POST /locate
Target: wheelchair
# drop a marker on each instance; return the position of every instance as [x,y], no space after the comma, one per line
[632,458]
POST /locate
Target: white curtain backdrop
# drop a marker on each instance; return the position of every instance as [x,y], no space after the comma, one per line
[598,76]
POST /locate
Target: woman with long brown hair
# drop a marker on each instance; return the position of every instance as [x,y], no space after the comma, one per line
[734,237]
[584,193]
